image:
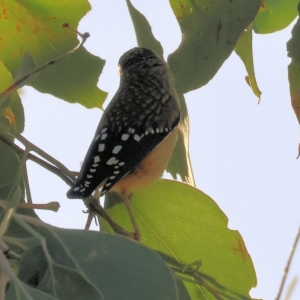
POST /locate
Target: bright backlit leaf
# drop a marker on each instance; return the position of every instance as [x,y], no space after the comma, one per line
[187,225]
[275,15]
[38,25]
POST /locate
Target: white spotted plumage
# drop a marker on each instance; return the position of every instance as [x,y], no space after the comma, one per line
[117,149]
[125,137]
[96,159]
[101,147]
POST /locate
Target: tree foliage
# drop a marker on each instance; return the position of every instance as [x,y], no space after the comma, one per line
[187,250]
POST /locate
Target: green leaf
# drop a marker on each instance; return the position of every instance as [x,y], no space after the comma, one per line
[17,112]
[77,79]
[92,265]
[294,67]
[275,15]
[185,224]
[245,51]
[6,80]
[5,125]
[210,31]
[38,24]
[27,293]
[11,107]
[180,161]
[27,66]
[294,80]
[143,31]
[9,167]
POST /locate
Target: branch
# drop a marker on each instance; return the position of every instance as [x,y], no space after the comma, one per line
[61,171]
[288,263]
[27,187]
[69,180]
[45,155]
[54,206]
[94,207]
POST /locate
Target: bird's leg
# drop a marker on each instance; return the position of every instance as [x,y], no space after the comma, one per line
[136,233]
[94,208]
[91,213]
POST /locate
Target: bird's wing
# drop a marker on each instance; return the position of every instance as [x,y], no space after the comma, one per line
[113,154]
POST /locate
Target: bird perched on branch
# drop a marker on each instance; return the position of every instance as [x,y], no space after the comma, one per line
[136,134]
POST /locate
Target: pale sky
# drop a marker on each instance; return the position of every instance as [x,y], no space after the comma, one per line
[243,154]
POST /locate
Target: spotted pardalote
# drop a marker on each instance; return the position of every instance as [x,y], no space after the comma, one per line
[137,132]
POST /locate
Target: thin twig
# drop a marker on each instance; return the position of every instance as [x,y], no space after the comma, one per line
[94,207]
[54,206]
[17,83]
[90,218]
[288,263]
[26,183]
[69,181]
[45,155]
[91,202]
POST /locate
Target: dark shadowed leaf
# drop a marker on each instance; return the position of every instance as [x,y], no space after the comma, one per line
[93,265]
[9,166]
[27,293]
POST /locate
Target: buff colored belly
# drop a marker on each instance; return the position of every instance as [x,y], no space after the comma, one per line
[150,169]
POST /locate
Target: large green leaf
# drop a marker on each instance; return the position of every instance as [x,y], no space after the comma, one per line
[38,25]
[294,67]
[210,30]
[93,265]
[185,224]
[275,15]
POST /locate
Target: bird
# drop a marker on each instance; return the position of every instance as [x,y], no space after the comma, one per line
[137,132]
